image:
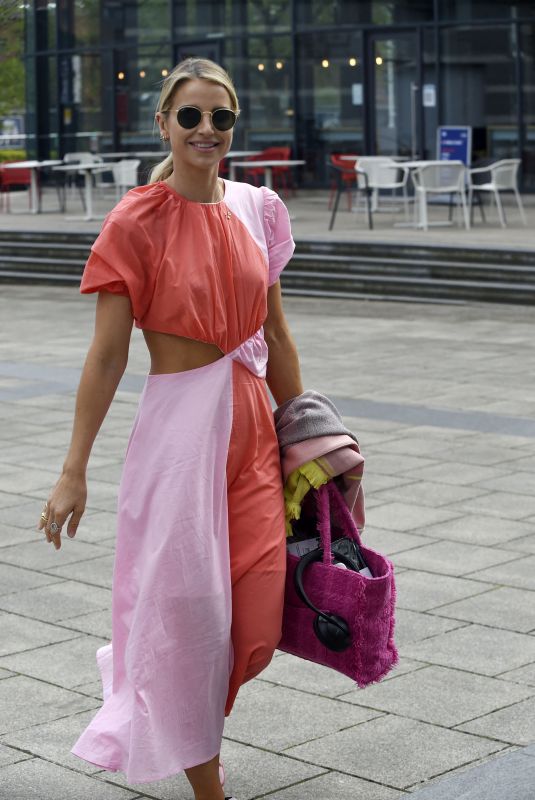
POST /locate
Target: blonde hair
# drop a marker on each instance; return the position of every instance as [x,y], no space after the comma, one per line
[189,69]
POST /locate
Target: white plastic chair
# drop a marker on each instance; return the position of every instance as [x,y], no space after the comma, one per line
[503,178]
[125,175]
[383,173]
[440,178]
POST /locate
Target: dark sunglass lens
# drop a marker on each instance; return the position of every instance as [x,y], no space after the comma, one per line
[223,119]
[188,116]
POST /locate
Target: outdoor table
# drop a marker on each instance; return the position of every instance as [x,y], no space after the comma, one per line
[238,154]
[34,167]
[267,166]
[88,169]
[416,164]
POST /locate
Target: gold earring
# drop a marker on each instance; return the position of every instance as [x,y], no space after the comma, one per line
[163,137]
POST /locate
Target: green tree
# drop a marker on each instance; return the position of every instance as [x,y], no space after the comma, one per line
[12,82]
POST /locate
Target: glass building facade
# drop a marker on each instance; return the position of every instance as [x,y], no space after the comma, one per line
[321,76]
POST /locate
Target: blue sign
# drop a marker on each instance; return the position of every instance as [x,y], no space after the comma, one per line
[454,143]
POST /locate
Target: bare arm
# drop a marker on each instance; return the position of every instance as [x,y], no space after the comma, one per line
[104,366]
[283,371]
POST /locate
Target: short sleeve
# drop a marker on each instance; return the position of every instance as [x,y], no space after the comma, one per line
[278,233]
[115,265]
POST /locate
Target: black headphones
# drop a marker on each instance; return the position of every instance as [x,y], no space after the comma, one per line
[331,629]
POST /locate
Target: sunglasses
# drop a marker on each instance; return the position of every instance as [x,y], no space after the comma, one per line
[223,119]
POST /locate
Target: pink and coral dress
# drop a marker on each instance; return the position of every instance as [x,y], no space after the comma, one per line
[198,578]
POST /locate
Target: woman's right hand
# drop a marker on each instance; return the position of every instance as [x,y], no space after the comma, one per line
[68,497]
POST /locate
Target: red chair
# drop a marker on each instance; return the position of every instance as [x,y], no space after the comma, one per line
[282,176]
[13,177]
[348,177]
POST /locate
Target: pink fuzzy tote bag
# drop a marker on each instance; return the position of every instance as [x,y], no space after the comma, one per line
[338,617]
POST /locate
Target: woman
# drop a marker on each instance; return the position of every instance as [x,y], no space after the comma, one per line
[193,260]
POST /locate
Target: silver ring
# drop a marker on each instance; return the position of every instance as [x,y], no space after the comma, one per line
[54,527]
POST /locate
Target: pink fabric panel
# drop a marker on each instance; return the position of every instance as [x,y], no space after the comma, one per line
[253,354]
[266,217]
[165,680]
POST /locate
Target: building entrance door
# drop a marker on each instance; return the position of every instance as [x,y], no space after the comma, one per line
[395,110]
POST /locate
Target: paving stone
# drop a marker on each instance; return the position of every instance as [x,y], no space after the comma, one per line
[457,474]
[92,689]
[35,779]
[9,755]
[506,777]
[403,666]
[515,482]
[453,559]
[64,664]
[14,579]
[515,724]
[25,701]
[527,463]
[8,498]
[52,741]
[405,516]
[10,536]
[97,527]
[486,651]
[394,751]
[529,751]
[388,542]
[524,544]
[375,482]
[501,504]
[521,675]
[422,591]
[317,716]
[336,786]
[412,626]
[249,773]
[57,601]
[40,555]
[96,571]
[24,479]
[6,673]
[20,633]
[110,473]
[519,573]
[390,465]
[97,623]
[478,529]
[481,453]
[430,493]
[297,673]
[440,696]
[504,607]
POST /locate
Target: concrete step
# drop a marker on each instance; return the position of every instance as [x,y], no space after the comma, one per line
[43,266]
[505,256]
[403,286]
[414,267]
[43,250]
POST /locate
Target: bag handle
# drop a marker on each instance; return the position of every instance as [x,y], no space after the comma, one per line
[329,497]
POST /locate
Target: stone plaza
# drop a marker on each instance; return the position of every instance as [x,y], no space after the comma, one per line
[442,400]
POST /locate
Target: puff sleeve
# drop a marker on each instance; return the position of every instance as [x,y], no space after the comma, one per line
[278,233]
[116,264]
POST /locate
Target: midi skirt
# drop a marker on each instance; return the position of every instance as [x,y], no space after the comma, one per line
[199,570]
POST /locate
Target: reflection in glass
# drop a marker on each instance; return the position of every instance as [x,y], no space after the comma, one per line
[199,18]
[527,51]
[463,10]
[262,70]
[396,95]
[331,98]
[479,87]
